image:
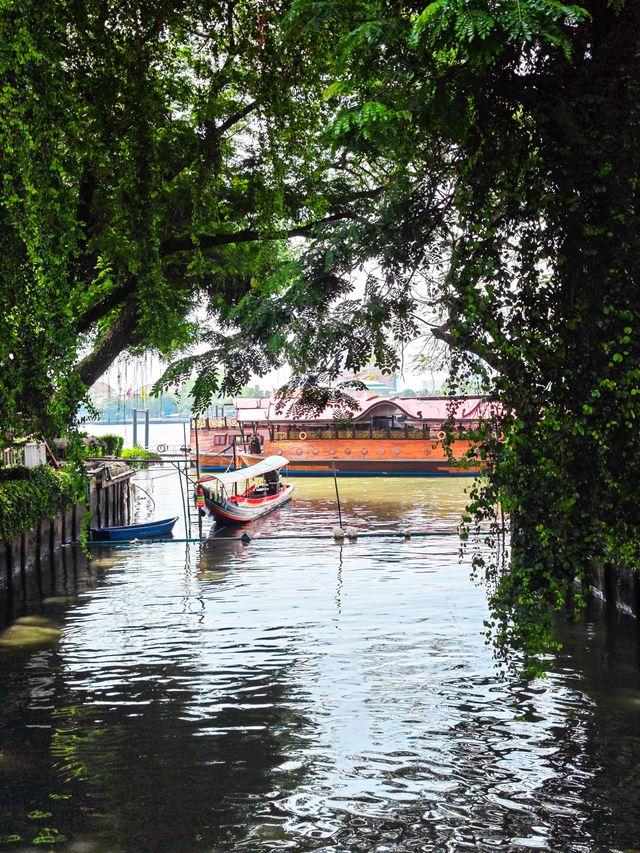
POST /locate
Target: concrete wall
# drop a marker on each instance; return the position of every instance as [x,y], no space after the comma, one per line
[619,587]
[109,504]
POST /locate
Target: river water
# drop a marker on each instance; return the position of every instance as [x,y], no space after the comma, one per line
[295,694]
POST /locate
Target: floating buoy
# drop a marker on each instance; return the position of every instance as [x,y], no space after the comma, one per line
[406,534]
[245,538]
[352,533]
[338,534]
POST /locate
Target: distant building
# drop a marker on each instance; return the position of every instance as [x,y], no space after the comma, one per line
[378,383]
[100,391]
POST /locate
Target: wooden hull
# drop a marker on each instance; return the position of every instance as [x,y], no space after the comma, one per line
[352,457]
[243,511]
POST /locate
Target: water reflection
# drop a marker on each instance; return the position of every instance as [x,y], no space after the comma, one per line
[296,693]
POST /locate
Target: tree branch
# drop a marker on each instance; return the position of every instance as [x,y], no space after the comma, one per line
[236,117]
[120,336]
[442,333]
[102,308]
[171,246]
[248,235]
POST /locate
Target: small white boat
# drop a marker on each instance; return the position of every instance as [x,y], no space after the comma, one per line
[262,491]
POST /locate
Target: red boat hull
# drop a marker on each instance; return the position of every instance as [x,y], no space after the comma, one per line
[242,509]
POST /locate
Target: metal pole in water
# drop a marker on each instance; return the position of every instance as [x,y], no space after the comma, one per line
[185,499]
[235,465]
[335,482]
[195,424]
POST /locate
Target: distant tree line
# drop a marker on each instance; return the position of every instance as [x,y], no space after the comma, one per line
[114,408]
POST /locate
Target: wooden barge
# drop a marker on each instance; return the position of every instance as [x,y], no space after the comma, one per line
[387,436]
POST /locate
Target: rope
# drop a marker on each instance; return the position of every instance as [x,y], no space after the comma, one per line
[365,534]
[147,494]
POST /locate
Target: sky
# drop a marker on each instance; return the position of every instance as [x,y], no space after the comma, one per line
[133,373]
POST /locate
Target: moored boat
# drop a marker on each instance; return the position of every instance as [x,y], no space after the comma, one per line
[386,436]
[221,497]
[141,530]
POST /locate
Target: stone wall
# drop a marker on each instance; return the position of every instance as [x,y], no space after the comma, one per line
[109,504]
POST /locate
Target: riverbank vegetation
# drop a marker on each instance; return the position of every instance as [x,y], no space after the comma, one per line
[472,168]
[33,494]
[136,453]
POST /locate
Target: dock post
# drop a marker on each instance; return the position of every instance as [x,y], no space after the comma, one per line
[197,449]
[335,482]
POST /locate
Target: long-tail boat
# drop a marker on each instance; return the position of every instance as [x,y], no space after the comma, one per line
[394,436]
[230,506]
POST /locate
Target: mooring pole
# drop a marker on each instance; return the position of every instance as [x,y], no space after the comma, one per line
[195,423]
[185,498]
[335,482]
[235,465]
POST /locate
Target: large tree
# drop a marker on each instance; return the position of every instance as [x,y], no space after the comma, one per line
[155,156]
[508,132]
[475,162]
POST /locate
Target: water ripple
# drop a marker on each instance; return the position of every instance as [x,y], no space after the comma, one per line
[300,695]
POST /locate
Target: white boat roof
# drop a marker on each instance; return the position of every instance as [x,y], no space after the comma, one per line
[228,478]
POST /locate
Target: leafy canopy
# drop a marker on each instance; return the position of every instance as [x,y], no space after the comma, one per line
[462,170]
[507,134]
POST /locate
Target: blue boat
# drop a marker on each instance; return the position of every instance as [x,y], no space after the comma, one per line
[143,530]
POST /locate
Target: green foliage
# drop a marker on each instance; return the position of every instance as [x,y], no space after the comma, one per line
[148,170]
[468,165]
[178,153]
[139,453]
[38,232]
[112,444]
[41,494]
[509,195]
[474,31]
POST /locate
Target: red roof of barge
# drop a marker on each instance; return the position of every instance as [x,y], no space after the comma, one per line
[263,410]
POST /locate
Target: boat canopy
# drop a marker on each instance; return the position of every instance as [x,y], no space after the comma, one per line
[228,478]
[426,410]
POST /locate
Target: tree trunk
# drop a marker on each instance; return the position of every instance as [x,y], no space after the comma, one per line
[120,336]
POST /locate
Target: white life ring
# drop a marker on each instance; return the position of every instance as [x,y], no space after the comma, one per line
[302,436]
[442,435]
[162,448]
